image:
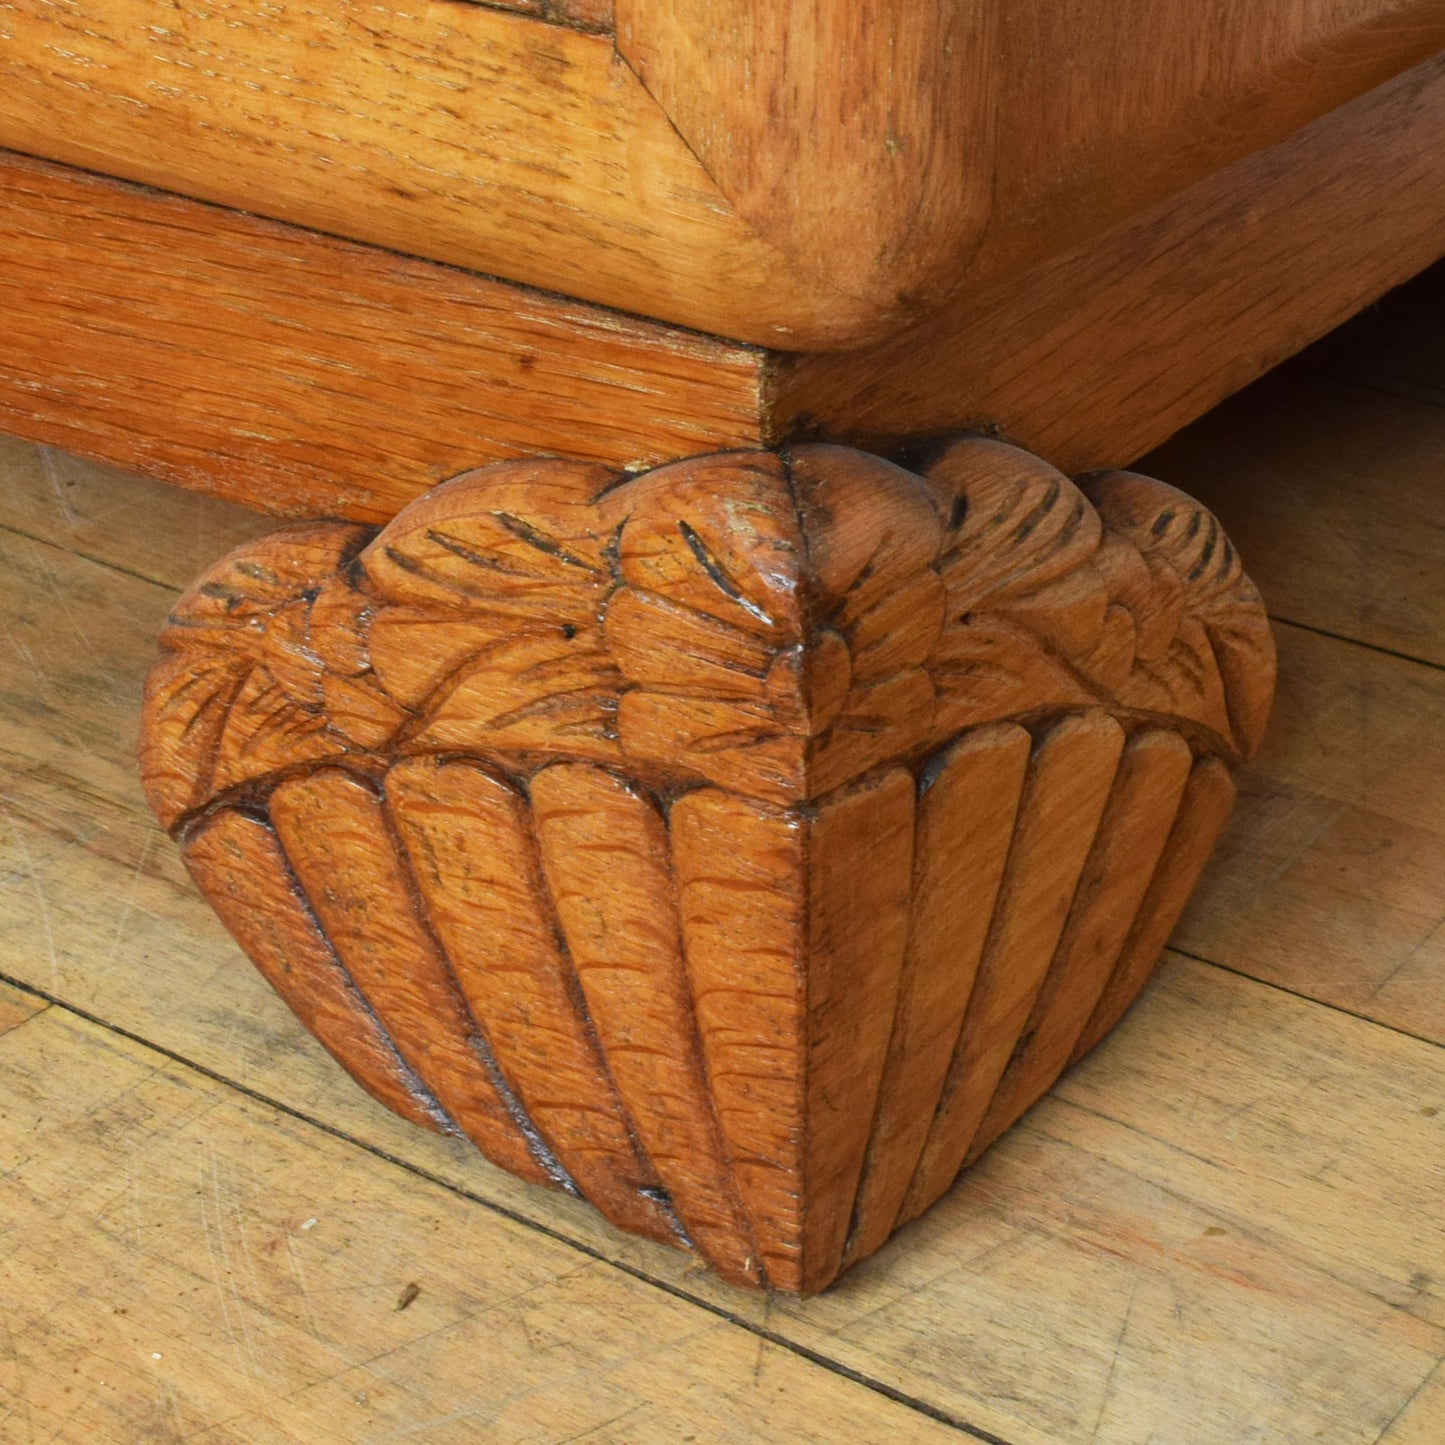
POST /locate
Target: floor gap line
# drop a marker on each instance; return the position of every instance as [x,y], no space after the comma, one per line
[117,567]
[1356,642]
[793,1347]
[1397,392]
[1307,998]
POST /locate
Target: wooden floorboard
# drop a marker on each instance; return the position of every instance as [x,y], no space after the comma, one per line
[1333,488]
[1396,345]
[193,1264]
[1229,1216]
[1329,475]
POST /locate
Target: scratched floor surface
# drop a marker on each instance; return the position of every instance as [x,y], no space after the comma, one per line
[1225,1226]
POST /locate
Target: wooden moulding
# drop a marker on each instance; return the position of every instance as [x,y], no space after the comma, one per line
[808,176]
[301,374]
[742,845]
[1108,349]
[487,139]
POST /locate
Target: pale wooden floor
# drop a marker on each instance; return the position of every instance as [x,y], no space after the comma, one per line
[1227,1226]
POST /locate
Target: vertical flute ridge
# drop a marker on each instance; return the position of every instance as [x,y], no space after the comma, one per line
[625,942]
[355,885]
[966,813]
[239,863]
[468,836]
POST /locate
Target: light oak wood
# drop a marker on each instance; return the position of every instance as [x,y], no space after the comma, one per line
[861,855]
[799,637]
[1108,907]
[929,149]
[17,1007]
[1293,464]
[1099,354]
[151,529]
[1003,1307]
[605,857]
[489,140]
[1328,474]
[1344,838]
[1420,1415]
[1203,811]
[178,1278]
[467,837]
[1092,359]
[738,863]
[966,814]
[1350,865]
[582,14]
[307,375]
[1106,111]
[799,176]
[362,899]
[1064,796]
[259,900]
[859,139]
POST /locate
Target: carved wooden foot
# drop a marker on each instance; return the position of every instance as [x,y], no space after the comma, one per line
[743,845]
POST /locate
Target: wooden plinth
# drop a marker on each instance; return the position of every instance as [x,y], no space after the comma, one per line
[309,376]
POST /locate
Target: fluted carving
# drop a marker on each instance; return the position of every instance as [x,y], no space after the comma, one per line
[742,845]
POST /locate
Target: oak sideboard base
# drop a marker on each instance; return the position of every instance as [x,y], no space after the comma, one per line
[742,844]
[311,376]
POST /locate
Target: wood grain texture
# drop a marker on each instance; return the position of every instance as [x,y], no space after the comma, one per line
[581,14]
[1292,467]
[604,849]
[242,870]
[1003,1306]
[468,837]
[522,7]
[163,533]
[858,138]
[1101,353]
[1107,111]
[126,300]
[605,791]
[1336,491]
[459,132]
[859,886]
[17,1007]
[967,809]
[203,1262]
[1107,906]
[739,865]
[1344,832]
[915,150]
[300,374]
[1065,794]
[1203,811]
[365,905]
[807,176]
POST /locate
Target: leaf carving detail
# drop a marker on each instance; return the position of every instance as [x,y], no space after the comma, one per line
[772,624]
[742,844]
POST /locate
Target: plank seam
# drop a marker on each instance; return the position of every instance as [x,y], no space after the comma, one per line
[117,567]
[1304,997]
[772,1337]
[1375,388]
[1356,642]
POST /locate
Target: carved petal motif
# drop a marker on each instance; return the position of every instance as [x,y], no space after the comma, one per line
[742,845]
